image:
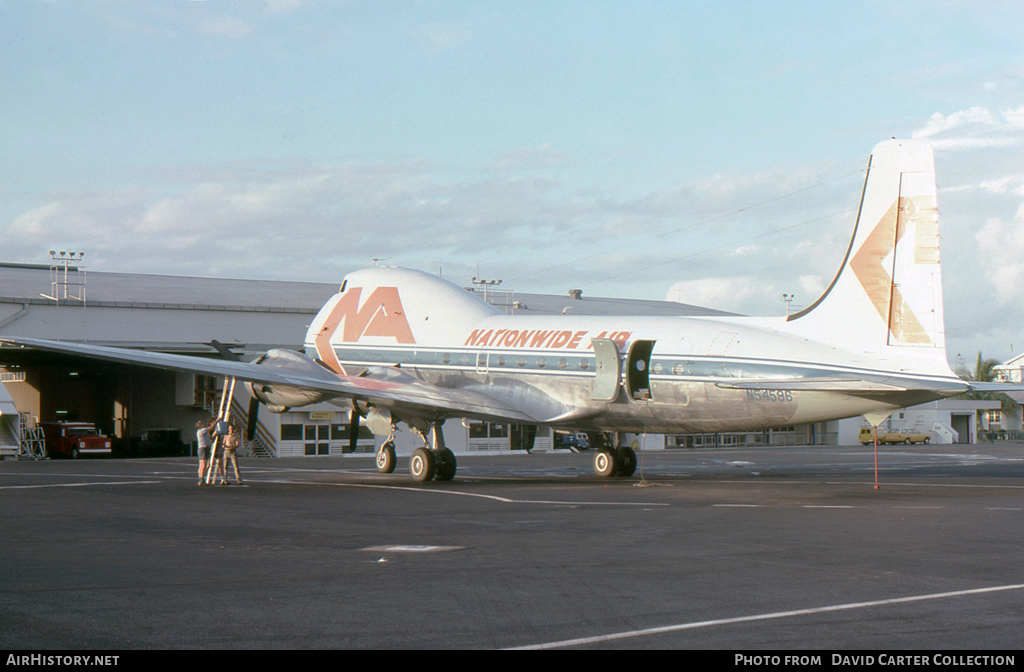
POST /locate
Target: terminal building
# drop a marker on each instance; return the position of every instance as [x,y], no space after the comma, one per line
[230,318]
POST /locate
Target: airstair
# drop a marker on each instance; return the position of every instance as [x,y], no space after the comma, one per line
[944,433]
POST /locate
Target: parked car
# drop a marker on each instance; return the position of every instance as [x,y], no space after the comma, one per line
[572,441]
[885,436]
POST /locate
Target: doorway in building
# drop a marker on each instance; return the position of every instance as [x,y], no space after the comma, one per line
[962,424]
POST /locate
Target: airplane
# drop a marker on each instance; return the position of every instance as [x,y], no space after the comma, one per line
[398,346]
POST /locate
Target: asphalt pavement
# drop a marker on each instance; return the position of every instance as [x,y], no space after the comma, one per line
[767,548]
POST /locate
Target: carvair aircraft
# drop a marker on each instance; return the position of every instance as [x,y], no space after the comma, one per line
[400,346]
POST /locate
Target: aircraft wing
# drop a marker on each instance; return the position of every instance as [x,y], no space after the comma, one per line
[387,386]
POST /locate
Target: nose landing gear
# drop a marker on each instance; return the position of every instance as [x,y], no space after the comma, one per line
[386,459]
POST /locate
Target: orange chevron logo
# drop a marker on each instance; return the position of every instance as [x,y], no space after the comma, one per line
[878,283]
[382,314]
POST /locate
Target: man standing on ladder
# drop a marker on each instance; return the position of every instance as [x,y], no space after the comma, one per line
[221,425]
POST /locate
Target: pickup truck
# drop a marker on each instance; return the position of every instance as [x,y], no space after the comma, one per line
[74,439]
[906,436]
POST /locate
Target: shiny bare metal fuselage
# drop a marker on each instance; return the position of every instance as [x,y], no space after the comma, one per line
[685,387]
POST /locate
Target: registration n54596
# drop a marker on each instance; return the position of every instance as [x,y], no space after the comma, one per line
[769,395]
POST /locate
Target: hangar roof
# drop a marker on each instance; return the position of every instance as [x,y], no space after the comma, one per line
[21,282]
[183,313]
[28,282]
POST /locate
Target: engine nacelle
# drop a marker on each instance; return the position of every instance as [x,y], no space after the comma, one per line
[279,398]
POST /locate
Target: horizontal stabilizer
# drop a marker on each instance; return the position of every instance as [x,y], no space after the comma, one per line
[995,387]
[815,385]
[847,385]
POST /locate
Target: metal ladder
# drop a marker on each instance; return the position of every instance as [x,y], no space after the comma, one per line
[31,443]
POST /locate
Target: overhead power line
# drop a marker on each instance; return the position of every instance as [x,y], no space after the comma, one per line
[691,226]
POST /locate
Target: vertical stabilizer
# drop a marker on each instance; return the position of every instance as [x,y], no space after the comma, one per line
[888,293]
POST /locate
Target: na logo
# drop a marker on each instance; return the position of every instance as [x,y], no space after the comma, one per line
[381,314]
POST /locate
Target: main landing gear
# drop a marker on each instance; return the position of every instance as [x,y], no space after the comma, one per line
[432,463]
[610,462]
[614,460]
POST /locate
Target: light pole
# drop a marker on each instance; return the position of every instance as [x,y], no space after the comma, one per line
[485,284]
[788,298]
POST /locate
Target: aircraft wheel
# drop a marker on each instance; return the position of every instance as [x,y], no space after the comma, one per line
[386,458]
[606,463]
[422,465]
[627,462]
[446,465]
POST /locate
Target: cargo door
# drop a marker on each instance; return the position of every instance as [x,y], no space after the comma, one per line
[608,370]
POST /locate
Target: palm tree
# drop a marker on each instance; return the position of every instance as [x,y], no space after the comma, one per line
[985,369]
[984,372]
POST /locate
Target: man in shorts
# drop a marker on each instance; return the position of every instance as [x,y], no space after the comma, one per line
[203,436]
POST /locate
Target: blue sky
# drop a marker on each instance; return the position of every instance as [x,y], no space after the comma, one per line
[709,152]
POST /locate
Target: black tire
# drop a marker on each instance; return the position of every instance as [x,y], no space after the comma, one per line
[928,440]
[627,462]
[74,453]
[446,465]
[606,463]
[422,465]
[907,441]
[386,459]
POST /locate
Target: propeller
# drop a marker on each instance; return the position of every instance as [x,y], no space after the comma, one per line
[353,428]
[250,427]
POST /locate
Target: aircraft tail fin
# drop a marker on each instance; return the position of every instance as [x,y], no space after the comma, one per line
[888,292]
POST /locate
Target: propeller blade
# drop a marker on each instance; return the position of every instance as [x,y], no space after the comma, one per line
[254,409]
[353,430]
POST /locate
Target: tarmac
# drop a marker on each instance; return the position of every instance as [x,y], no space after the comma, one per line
[738,549]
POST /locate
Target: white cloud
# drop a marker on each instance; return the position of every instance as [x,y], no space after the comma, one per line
[813,286]
[1002,247]
[974,128]
[940,123]
[734,294]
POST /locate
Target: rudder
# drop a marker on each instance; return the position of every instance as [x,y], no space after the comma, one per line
[889,290]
